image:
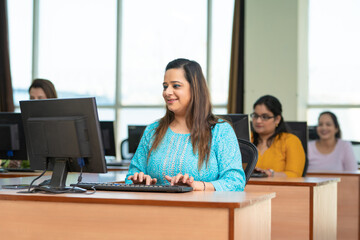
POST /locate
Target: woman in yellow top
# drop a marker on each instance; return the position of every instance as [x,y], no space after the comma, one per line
[280,153]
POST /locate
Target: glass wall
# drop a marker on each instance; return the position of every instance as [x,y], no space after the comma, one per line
[117,50]
[20,16]
[334,70]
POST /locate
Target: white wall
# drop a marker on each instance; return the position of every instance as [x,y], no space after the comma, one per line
[276,54]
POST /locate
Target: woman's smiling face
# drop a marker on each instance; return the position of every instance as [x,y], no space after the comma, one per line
[326,128]
[177,92]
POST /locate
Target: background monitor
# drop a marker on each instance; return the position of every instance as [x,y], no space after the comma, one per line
[108,137]
[63,135]
[12,138]
[135,133]
[240,123]
[312,133]
[356,149]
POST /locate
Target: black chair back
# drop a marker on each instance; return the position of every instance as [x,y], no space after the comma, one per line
[300,129]
[249,155]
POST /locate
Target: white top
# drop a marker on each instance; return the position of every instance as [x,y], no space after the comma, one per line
[341,159]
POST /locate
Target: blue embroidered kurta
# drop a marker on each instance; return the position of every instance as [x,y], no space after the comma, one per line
[175,155]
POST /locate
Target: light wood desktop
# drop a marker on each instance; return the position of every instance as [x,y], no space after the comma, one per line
[304,208]
[19,174]
[128,215]
[14,174]
[348,202]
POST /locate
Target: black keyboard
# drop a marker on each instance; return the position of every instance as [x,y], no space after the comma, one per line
[134,187]
[258,174]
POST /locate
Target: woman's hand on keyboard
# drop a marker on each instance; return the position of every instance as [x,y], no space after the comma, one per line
[185,180]
[141,178]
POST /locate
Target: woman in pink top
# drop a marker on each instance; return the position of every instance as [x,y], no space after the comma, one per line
[329,152]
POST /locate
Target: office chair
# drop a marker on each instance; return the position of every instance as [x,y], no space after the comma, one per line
[249,155]
[300,129]
[124,150]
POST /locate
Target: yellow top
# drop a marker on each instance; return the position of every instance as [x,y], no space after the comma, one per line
[286,154]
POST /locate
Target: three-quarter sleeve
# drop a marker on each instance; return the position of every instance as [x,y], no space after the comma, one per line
[226,147]
[349,160]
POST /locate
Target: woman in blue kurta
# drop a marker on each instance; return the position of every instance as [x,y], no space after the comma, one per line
[189,145]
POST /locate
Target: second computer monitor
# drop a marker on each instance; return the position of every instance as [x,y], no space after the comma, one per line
[108,137]
[135,133]
[12,138]
[240,123]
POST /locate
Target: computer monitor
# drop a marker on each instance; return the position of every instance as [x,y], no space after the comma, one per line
[63,135]
[108,137]
[240,123]
[356,148]
[312,133]
[135,133]
[12,138]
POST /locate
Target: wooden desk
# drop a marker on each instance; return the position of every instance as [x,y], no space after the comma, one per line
[117,168]
[127,215]
[19,174]
[348,198]
[304,208]
[114,176]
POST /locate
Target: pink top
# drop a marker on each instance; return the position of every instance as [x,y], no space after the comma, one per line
[341,159]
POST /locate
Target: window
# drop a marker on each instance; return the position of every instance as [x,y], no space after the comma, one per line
[78,53]
[153,35]
[20,44]
[334,70]
[117,50]
[221,35]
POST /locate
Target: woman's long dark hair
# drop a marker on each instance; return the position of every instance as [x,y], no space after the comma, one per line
[336,123]
[274,106]
[199,116]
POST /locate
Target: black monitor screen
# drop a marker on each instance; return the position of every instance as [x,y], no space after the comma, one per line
[356,149]
[108,137]
[240,123]
[63,135]
[12,138]
[312,133]
[135,133]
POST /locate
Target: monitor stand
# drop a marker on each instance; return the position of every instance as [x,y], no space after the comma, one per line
[58,180]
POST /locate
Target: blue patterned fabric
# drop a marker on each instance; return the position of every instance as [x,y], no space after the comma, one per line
[175,155]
